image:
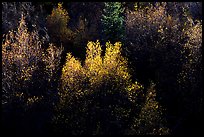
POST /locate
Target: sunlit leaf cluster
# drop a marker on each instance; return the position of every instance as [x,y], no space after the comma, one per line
[96,69]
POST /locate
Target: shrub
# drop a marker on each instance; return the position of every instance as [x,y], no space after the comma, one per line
[57,25]
[150,120]
[21,54]
[151,36]
[99,96]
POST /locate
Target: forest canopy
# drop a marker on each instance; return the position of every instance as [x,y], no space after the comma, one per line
[102,68]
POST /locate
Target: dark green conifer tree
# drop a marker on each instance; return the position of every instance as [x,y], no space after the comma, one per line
[113,22]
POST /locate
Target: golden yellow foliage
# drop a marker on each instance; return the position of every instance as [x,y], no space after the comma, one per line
[72,74]
[96,69]
[100,78]
[115,64]
[21,55]
[97,72]
[93,62]
[57,25]
[23,49]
